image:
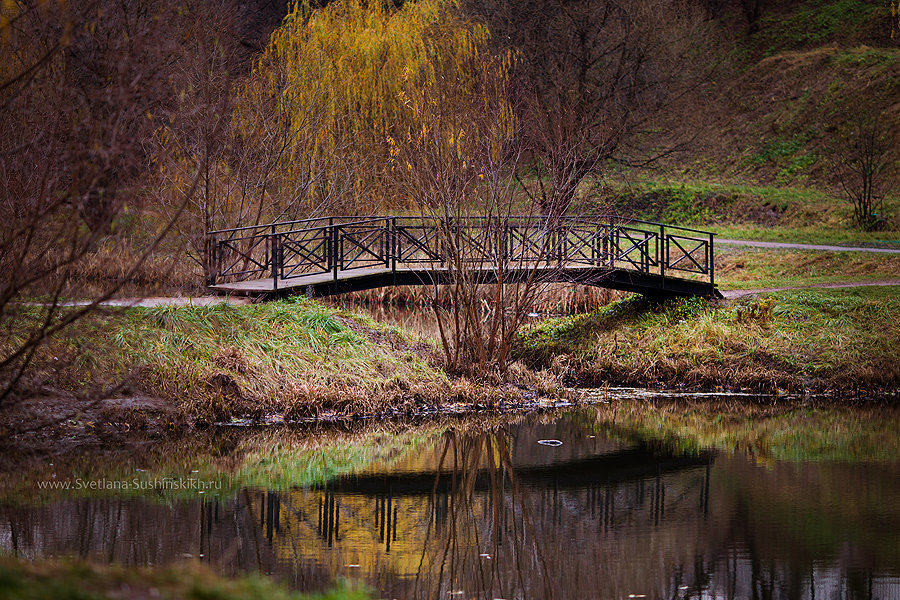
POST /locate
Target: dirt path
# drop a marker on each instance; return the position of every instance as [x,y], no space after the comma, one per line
[732,294]
[787,246]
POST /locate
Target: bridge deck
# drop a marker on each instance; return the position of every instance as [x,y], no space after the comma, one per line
[327,284]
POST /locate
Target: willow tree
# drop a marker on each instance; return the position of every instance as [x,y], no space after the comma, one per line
[416,106]
[347,71]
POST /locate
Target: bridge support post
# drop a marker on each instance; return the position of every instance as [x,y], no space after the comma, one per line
[335,250]
[662,251]
[212,244]
[394,244]
[329,242]
[273,257]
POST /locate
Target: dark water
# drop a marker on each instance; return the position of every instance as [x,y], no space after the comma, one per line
[486,511]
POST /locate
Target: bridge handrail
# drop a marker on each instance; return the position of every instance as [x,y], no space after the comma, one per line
[269,226]
[350,223]
[611,219]
[648,246]
[604,218]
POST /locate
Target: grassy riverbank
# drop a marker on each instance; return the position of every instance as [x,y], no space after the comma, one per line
[78,580]
[295,358]
[820,340]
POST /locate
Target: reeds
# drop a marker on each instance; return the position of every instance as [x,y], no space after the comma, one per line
[553,298]
[110,264]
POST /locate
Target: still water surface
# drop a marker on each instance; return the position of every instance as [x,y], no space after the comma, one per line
[474,510]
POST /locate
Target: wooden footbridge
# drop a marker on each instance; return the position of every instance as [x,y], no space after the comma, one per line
[333,255]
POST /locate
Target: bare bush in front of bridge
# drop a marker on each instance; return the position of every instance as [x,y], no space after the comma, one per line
[457,163]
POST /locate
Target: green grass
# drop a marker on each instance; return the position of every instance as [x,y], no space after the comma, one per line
[812,23]
[821,340]
[809,234]
[795,214]
[753,268]
[77,580]
[788,156]
[293,357]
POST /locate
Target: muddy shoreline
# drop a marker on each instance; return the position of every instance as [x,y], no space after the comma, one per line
[55,425]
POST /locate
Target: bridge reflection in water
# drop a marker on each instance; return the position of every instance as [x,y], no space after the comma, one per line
[496,515]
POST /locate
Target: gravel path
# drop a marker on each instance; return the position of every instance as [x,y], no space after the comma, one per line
[788,246]
[165,301]
[732,294]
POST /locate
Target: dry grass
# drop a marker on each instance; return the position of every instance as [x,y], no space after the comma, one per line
[821,340]
[553,298]
[294,358]
[166,270]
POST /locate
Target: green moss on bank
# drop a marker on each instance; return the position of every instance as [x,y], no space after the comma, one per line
[799,340]
[76,580]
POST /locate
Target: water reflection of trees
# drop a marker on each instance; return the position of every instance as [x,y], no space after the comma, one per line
[495,515]
[603,540]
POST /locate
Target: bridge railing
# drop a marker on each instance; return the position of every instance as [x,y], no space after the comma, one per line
[290,249]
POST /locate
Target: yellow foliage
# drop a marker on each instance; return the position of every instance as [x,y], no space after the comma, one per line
[364,75]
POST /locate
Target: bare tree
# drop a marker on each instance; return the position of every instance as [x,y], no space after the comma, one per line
[862,158]
[591,77]
[83,87]
[257,160]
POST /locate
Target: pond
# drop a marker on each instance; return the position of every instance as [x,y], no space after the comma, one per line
[475,507]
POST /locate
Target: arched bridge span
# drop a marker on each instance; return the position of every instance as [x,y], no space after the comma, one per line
[334,255]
